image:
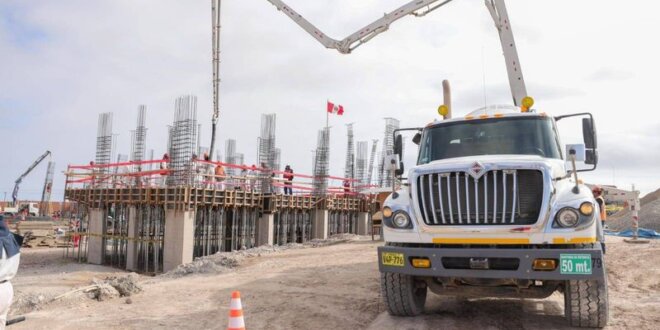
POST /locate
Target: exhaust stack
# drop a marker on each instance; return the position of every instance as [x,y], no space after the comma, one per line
[446,91]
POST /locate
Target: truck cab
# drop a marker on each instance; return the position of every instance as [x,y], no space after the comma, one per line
[494,208]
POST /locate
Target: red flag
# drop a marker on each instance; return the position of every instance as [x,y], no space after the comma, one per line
[335,108]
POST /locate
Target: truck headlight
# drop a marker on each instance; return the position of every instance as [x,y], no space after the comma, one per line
[568,217]
[401,220]
[587,208]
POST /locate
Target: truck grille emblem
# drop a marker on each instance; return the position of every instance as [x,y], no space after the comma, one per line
[476,170]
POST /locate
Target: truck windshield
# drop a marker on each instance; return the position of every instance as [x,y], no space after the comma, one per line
[496,136]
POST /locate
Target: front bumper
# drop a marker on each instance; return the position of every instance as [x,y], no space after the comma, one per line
[524,270]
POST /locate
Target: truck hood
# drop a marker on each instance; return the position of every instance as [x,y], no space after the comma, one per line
[494,162]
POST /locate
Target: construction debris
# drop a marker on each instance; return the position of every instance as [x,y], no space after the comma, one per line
[102,292]
[40,234]
[125,285]
[109,288]
[27,302]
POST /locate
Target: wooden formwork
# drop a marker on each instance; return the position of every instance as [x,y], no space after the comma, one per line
[344,204]
[185,198]
[292,202]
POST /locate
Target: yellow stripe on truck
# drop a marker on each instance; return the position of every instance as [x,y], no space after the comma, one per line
[509,241]
[574,240]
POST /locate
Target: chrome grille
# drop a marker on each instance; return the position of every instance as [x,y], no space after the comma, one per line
[499,197]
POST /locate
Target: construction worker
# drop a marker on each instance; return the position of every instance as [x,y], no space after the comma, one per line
[220,177]
[209,171]
[598,195]
[194,171]
[10,257]
[93,181]
[597,191]
[163,167]
[251,180]
[288,176]
[243,181]
[74,225]
[347,187]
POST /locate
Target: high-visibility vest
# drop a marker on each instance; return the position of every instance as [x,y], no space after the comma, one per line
[603,213]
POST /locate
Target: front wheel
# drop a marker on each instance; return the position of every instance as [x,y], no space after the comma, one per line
[586,303]
[402,294]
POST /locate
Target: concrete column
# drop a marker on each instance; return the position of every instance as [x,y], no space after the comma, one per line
[94,240]
[179,235]
[131,250]
[266,229]
[363,223]
[320,224]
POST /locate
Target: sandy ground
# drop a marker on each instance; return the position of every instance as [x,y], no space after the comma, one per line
[332,287]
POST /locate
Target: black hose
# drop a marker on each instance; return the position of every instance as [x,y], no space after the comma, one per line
[212,141]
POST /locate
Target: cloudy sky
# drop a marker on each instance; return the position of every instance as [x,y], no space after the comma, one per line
[64,62]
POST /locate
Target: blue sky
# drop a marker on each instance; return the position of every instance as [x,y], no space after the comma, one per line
[64,62]
[19,31]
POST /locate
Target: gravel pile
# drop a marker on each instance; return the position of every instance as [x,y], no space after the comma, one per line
[649,218]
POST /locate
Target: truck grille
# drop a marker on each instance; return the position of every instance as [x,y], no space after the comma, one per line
[498,197]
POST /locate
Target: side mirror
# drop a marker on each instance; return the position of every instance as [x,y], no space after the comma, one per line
[398,145]
[589,133]
[591,157]
[417,138]
[399,171]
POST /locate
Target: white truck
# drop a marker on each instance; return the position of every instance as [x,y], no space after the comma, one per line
[490,208]
[32,209]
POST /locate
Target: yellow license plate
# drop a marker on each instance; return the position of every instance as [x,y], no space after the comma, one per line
[393,259]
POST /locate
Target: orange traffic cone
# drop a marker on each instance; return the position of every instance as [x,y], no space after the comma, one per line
[236,321]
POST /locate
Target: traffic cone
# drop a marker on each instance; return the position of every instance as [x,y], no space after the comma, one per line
[236,321]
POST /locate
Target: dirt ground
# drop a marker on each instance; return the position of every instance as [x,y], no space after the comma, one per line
[331,287]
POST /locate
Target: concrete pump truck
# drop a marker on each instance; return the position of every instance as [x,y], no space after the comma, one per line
[493,206]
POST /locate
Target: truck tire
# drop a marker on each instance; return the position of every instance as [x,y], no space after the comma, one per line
[402,294]
[586,303]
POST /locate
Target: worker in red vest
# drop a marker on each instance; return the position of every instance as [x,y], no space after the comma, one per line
[288,176]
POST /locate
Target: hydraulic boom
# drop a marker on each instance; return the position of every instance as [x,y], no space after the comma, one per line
[14,194]
[420,8]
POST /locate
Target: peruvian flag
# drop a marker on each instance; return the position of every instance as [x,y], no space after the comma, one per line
[335,108]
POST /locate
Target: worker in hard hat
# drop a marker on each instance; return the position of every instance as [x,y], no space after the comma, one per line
[598,196]
[288,180]
[10,257]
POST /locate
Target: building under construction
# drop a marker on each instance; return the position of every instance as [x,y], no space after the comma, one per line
[152,215]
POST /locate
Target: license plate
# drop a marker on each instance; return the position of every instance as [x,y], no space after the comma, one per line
[393,259]
[575,264]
